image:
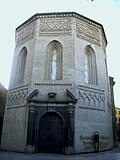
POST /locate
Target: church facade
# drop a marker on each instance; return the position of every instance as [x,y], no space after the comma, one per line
[59,92]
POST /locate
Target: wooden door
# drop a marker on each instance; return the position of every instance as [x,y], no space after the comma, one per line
[50,134]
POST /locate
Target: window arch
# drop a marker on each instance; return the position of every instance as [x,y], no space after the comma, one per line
[54,61]
[90,66]
[21,65]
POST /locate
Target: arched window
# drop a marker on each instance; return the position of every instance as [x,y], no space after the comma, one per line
[54,61]
[54,64]
[90,66]
[21,65]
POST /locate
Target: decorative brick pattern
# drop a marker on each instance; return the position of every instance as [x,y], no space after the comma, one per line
[55,25]
[91,98]
[17,96]
[53,84]
[26,33]
[87,31]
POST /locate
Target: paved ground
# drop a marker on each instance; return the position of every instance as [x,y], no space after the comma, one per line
[108,155]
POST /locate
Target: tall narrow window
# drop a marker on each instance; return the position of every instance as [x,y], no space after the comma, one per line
[90,66]
[86,69]
[54,61]
[21,65]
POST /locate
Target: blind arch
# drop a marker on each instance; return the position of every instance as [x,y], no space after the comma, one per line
[21,65]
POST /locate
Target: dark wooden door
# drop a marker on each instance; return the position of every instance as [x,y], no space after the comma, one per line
[50,134]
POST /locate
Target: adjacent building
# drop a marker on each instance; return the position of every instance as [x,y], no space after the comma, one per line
[59,91]
[112,103]
[117,111]
[3,94]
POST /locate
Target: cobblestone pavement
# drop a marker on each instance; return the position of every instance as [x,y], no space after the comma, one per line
[108,155]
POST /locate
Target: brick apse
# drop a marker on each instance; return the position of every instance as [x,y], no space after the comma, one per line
[59,92]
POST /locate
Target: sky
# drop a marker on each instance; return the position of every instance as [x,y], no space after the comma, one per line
[15,12]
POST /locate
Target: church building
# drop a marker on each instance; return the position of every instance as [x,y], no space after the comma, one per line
[59,92]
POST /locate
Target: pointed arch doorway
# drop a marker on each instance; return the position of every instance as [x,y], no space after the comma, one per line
[51,133]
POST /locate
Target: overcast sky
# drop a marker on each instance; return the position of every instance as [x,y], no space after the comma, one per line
[106,12]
